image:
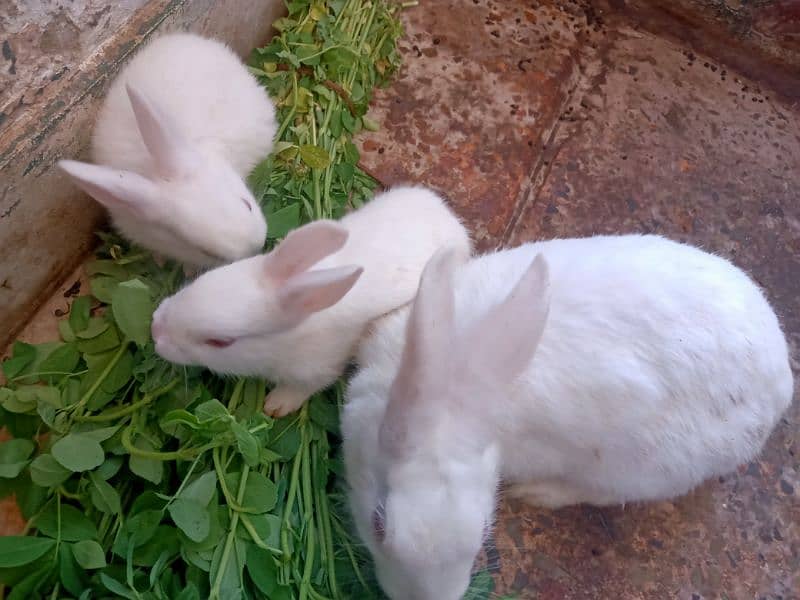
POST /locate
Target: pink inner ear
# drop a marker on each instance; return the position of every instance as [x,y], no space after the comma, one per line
[219,343]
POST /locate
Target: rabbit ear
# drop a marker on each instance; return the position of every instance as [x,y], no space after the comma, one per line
[172,153]
[114,188]
[313,291]
[303,248]
[429,335]
[504,341]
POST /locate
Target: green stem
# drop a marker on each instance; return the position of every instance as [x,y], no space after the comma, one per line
[185,481]
[325,518]
[186,454]
[221,476]
[56,590]
[292,111]
[40,374]
[353,562]
[231,536]
[308,507]
[287,510]
[248,525]
[131,408]
[100,380]
[236,395]
[67,494]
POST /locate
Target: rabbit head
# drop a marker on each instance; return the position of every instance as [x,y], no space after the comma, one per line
[193,206]
[424,499]
[224,318]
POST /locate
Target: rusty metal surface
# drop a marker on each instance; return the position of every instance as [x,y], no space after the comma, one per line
[758,38]
[632,132]
[481,83]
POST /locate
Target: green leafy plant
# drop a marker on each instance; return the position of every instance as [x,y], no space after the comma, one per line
[143,480]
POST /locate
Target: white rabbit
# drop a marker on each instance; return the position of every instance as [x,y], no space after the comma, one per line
[276,316]
[181,126]
[635,370]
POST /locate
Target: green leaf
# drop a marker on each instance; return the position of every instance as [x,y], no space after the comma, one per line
[72,578]
[78,452]
[75,526]
[47,472]
[27,587]
[63,359]
[79,313]
[260,494]
[262,570]
[351,154]
[115,587]
[314,156]
[289,57]
[324,413]
[22,355]
[33,395]
[103,288]
[93,328]
[232,569]
[14,456]
[117,378]
[133,310]
[17,403]
[284,438]
[179,417]
[89,554]
[191,517]
[211,411]
[107,267]
[109,468]
[104,497]
[165,541]
[349,122]
[105,341]
[282,221]
[246,443]
[146,468]
[99,434]
[202,489]
[188,593]
[30,497]
[142,526]
[309,55]
[65,331]
[17,550]
[267,527]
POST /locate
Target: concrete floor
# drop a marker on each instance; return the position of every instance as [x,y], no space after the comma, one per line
[555,119]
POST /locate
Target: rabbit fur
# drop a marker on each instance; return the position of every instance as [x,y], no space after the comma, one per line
[182,125]
[291,315]
[601,370]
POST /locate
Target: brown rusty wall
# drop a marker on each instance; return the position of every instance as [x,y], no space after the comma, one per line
[55,66]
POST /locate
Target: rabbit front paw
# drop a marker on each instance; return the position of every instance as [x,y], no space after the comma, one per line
[284,400]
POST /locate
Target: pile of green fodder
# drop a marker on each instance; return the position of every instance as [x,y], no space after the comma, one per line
[143,480]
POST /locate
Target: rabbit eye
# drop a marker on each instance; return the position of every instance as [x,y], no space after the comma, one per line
[218,343]
[247,204]
[379,524]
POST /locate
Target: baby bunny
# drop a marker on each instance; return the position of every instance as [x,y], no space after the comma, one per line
[601,370]
[291,315]
[181,126]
